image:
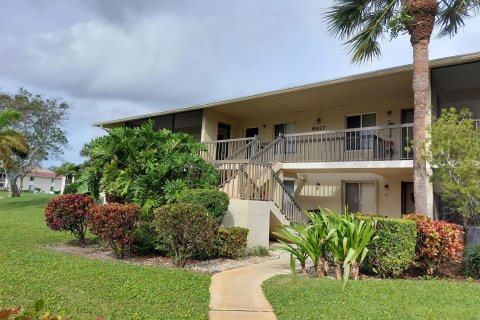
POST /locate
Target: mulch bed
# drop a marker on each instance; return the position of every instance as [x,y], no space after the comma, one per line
[93,250]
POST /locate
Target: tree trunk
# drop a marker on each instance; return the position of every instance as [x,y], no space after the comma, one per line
[318,269]
[304,269]
[338,271]
[421,83]
[12,181]
[424,13]
[326,267]
[354,269]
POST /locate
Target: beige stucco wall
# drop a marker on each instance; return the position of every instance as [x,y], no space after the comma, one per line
[329,193]
[43,183]
[254,215]
[210,122]
[331,118]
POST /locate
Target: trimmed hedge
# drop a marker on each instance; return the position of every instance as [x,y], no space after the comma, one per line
[394,250]
[231,242]
[215,202]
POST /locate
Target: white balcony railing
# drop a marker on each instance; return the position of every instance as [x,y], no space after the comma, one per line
[223,149]
[368,144]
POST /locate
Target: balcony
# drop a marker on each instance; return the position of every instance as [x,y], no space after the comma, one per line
[381,143]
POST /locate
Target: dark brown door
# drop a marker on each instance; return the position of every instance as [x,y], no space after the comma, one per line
[407,134]
[408,202]
[223,133]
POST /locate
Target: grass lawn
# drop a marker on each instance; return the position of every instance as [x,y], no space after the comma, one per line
[83,288]
[295,297]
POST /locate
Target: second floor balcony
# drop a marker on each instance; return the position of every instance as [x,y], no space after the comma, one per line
[379,143]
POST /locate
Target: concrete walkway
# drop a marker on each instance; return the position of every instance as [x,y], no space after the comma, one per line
[237,294]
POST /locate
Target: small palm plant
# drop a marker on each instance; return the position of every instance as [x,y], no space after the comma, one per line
[354,241]
[317,242]
[293,243]
[307,241]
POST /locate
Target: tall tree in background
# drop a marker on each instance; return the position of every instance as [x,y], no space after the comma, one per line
[454,153]
[12,143]
[41,123]
[69,170]
[363,23]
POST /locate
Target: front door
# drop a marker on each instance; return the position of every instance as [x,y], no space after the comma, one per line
[408,201]
[407,134]
[223,133]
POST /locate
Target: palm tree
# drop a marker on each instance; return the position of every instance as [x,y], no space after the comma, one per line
[12,143]
[69,170]
[363,23]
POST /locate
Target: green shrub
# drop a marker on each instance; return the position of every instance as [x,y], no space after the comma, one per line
[231,242]
[216,202]
[71,188]
[471,261]
[187,228]
[146,239]
[258,251]
[394,250]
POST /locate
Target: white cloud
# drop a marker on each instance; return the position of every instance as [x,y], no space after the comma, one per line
[114,58]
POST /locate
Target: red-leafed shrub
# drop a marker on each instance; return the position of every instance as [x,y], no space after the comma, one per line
[114,223]
[68,213]
[438,242]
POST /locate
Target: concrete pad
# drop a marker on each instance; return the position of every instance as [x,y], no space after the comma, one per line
[238,294]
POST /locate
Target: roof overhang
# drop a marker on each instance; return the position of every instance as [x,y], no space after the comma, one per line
[381,84]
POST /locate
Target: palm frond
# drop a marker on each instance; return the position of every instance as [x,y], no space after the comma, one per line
[362,24]
[453,13]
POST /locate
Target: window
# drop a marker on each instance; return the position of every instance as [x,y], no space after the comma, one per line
[360,196]
[53,180]
[290,185]
[52,188]
[283,128]
[32,178]
[361,139]
[362,121]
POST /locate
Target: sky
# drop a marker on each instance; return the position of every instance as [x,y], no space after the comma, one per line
[115,58]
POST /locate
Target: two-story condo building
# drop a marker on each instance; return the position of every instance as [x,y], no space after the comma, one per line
[336,143]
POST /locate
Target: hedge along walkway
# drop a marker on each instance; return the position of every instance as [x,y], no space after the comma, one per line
[237,294]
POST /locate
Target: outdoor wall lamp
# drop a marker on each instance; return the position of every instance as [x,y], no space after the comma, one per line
[386,187]
[317,185]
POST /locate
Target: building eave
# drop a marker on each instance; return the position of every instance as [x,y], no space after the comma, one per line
[437,63]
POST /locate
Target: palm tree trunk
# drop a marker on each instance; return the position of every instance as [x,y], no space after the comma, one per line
[420,30]
[421,85]
[354,269]
[338,271]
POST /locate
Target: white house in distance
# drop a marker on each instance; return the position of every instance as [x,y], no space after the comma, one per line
[333,143]
[38,180]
